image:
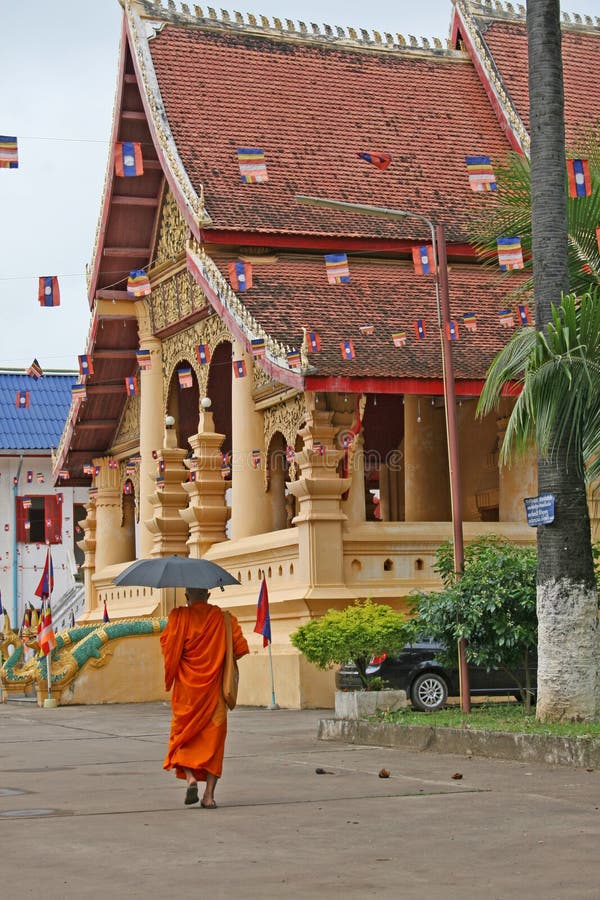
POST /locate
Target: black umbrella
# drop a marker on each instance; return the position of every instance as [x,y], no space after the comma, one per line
[175,571]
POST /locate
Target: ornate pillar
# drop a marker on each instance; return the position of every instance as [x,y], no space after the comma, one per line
[517,481]
[151,421]
[169,531]
[110,548]
[249,502]
[426,484]
[353,506]
[320,519]
[207,512]
[88,545]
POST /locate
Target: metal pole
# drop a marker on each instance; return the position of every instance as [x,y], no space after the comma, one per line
[452,439]
[15,547]
[273,705]
[49,702]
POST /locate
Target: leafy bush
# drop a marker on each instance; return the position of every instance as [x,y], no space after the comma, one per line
[356,633]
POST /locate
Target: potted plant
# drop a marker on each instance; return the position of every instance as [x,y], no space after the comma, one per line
[358,633]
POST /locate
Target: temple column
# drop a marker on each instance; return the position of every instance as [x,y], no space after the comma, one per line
[250,512]
[207,512]
[169,531]
[88,545]
[151,422]
[517,481]
[110,548]
[426,479]
[354,506]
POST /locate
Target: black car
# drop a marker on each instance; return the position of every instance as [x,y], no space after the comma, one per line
[427,682]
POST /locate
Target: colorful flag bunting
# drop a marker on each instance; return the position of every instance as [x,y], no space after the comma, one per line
[256,457]
[86,366]
[79,392]
[35,370]
[258,346]
[240,275]
[239,368]
[203,354]
[470,321]
[105,614]
[524,314]
[130,468]
[48,290]
[452,330]
[347,348]
[22,400]
[336,267]
[506,318]
[313,340]
[379,160]
[580,180]
[46,585]
[128,159]
[185,378]
[481,173]
[60,496]
[367,329]
[423,259]
[131,386]
[420,331]
[144,360]
[113,463]
[29,476]
[319,447]
[96,470]
[399,338]
[26,502]
[290,453]
[138,284]
[510,254]
[263,618]
[293,358]
[40,478]
[128,487]
[225,465]
[253,168]
[9,154]
[64,475]
[87,469]
[45,633]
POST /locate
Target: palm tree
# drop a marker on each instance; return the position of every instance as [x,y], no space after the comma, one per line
[550,403]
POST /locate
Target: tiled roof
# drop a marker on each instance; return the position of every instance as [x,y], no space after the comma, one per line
[507,42]
[40,426]
[293,292]
[311,107]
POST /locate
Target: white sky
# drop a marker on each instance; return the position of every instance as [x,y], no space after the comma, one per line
[60,65]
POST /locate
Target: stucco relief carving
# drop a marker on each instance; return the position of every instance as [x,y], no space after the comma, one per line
[174,299]
[173,233]
[129,425]
[181,346]
[260,378]
[287,418]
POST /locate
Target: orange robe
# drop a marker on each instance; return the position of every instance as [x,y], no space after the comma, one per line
[193,647]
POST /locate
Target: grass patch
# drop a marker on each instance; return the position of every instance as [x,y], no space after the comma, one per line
[491,717]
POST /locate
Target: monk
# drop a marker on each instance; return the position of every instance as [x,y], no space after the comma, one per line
[193,647]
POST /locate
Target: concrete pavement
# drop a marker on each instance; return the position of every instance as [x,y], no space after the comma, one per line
[86,811]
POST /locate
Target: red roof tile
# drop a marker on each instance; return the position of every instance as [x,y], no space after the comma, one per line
[311,108]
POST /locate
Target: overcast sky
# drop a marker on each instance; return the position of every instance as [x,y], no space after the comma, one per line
[60,65]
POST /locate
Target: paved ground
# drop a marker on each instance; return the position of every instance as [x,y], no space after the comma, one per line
[86,811]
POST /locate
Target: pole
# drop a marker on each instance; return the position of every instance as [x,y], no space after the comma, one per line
[49,702]
[273,705]
[452,439]
[15,546]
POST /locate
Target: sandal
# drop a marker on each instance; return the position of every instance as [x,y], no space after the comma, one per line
[211,805]
[191,795]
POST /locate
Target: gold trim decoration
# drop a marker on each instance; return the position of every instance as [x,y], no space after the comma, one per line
[174,299]
[173,232]
[180,348]
[288,419]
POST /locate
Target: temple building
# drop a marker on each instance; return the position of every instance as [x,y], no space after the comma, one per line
[273,398]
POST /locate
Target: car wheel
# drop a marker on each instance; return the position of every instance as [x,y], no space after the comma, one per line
[428,692]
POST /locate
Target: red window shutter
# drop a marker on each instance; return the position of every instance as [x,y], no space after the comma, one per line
[52,520]
[22,536]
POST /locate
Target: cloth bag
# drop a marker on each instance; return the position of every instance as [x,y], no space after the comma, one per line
[231,675]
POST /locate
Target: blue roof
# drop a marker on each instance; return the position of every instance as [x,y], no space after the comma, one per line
[40,426]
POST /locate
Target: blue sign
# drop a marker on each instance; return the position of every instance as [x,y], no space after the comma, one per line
[540,510]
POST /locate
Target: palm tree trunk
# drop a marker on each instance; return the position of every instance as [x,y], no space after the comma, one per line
[567,601]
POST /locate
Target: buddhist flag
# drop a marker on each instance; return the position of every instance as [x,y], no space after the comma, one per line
[46,637]
[336,267]
[46,585]
[481,173]
[470,321]
[524,314]
[131,386]
[128,159]
[263,619]
[366,329]
[347,348]
[420,330]
[293,358]
[35,370]
[399,338]
[203,354]
[40,478]
[256,456]
[239,368]
[510,254]
[22,400]
[105,614]
[26,502]
[225,465]
[452,330]
[9,154]
[423,259]
[580,181]
[185,378]
[48,291]
[64,475]
[313,340]
[29,477]
[144,360]
[138,284]
[506,318]
[379,160]
[290,453]
[86,366]
[79,392]
[253,168]
[258,346]
[240,275]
